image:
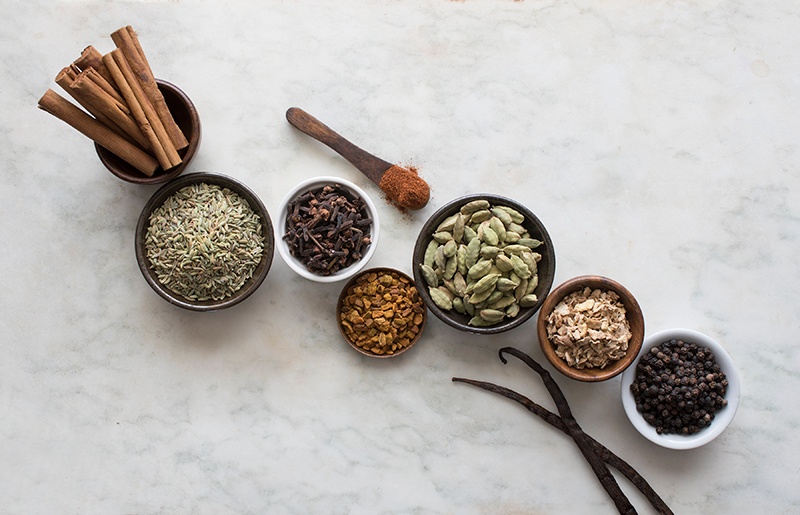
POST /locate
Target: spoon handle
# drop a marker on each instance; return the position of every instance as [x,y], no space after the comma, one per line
[371,166]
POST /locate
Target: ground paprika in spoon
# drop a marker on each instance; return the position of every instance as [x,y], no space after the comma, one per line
[405,188]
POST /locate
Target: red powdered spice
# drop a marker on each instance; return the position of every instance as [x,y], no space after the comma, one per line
[405,188]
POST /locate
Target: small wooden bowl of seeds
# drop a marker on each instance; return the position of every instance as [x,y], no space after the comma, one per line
[204,242]
[329,229]
[590,328]
[380,313]
[484,263]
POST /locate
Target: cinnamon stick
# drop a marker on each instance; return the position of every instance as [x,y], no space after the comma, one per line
[101,101]
[142,110]
[128,42]
[65,78]
[92,58]
[64,110]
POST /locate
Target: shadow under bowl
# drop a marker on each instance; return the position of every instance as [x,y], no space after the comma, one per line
[261,270]
[633,314]
[185,115]
[546,266]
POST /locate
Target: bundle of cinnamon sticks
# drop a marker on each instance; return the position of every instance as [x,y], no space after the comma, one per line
[124,110]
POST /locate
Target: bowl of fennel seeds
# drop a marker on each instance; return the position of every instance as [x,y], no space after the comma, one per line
[204,242]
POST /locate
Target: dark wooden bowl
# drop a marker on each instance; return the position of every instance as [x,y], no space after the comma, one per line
[546,267]
[250,286]
[186,117]
[344,294]
[633,313]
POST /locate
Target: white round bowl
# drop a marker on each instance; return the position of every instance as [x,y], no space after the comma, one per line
[280,229]
[722,418]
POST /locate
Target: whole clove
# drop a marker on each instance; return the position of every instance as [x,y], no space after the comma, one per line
[328,229]
[598,456]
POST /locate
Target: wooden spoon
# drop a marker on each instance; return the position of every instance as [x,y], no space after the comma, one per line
[371,166]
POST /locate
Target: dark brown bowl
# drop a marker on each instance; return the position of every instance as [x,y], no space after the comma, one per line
[633,313]
[546,267]
[256,205]
[344,293]
[185,115]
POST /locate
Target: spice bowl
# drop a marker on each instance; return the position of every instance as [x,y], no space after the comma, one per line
[472,293]
[604,309]
[326,242]
[721,419]
[186,117]
[380,313]
[194,248]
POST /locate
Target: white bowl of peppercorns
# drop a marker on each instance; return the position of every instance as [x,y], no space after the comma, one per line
[683,389]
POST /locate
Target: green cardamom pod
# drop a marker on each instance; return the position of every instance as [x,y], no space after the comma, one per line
[461,259]
[528,300]
[486,282]
[443,237]
[512,237]
[515,249]
[439,258]
[477,321]
[440,299]
[458,305]
[450,267]
[520,268]
[503,215]
[473,252]
[489,251]
[458,228]
[447,293]
[460,284]
[505,284]
[494,297]
[429,275]
[517,228]
[503,263]
[498,228]
[515,215]
[468,307]
[448,223]
[430,251]
[480,268]
[469,233]
[478,298]
[480,216]
[503,302]
[520,290]
[489,236]
[475,205]
[533,282]
[492,315]
[450,248]
[512,310]
[529,242]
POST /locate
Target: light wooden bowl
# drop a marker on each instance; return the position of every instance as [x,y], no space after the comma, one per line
[633,313]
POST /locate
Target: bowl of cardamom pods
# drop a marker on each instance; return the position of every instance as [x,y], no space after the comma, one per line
[484,263]
[204,242]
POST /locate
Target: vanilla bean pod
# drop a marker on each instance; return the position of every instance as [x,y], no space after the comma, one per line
[602,451]
[600,469]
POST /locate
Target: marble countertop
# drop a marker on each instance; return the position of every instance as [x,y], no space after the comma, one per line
[657,141]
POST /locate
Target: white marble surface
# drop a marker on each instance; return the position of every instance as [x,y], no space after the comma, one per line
[656,139]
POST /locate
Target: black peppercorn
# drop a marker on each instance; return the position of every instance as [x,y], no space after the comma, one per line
[679,387]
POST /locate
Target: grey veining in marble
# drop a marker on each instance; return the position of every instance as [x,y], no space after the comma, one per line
[657,140]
